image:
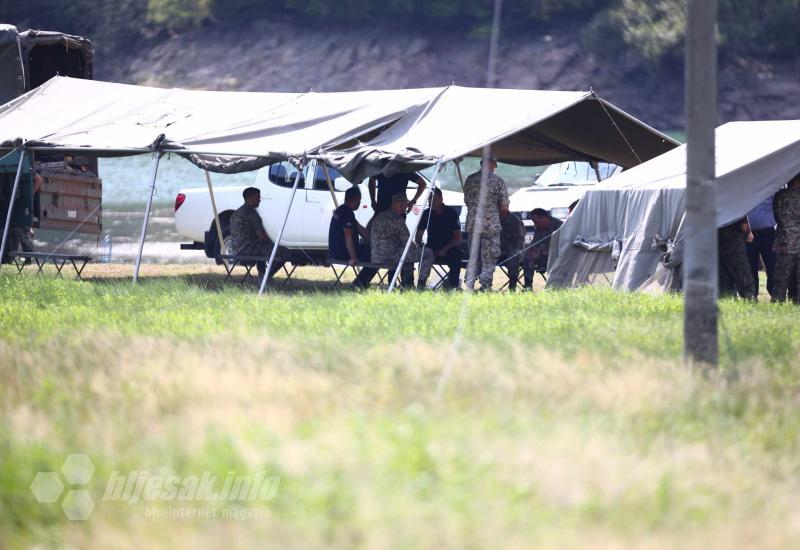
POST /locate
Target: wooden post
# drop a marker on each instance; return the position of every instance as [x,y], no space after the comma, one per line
[700,269]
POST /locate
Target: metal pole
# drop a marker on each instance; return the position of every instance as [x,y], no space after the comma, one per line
[146,218]
[11,206]
[280,233]
[216,217]
[700,264]
[458,170]
[414,232]
[330,183]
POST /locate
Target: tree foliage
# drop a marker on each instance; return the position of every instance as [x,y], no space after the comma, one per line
[653,29]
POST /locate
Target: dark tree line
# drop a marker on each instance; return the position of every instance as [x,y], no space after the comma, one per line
[652,28]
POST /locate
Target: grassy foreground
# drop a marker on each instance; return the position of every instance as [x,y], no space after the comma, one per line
[568,419]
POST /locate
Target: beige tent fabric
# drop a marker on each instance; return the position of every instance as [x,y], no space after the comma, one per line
[237,131]
[643,207]
[524,127]
[111,118]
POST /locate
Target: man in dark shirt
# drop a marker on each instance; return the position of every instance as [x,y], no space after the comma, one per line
[343,233]
[735,277]
[444,235]
[762,225]
[388,186]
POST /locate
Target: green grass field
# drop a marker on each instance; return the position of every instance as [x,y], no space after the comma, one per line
[567,420]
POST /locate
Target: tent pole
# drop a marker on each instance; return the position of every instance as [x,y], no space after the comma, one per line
[330,183]
[701,346]
[216,217]
[7,226]
[280,233]
[146,218]
[460,177]
[414,232]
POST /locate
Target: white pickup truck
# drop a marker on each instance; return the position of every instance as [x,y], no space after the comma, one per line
[306,233]
[558,187]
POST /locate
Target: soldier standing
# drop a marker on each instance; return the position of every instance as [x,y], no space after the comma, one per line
[787,242]
[483,221]
[512,239]
[388,236]
[734,267]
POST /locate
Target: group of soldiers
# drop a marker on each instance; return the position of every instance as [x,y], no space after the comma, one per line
[768,236]
[496,236]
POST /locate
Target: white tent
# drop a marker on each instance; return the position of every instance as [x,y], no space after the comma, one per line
[362,133]
[621,227]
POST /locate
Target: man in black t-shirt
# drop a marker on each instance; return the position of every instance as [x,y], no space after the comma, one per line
[388,186]
[343,236]
[444,235]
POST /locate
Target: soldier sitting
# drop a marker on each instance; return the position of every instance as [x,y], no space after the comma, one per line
[248,237]
[512,239]
[388,237]
[343,245]
[444,235]
[537,255]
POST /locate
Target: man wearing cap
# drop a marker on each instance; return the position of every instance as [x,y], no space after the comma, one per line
[483,221]
[444,235]
[388,236]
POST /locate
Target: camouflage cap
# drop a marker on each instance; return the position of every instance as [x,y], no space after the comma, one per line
[399,197]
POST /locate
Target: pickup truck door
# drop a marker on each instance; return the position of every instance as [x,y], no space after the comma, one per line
[320,205]
[275,183]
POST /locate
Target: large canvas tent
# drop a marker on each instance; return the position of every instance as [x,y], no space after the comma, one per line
[622,227]
[361,133]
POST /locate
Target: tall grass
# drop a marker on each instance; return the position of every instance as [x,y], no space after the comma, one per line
[569,419]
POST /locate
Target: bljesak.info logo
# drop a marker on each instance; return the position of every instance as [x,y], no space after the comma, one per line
[170,496]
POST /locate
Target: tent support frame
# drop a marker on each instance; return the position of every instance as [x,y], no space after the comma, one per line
[413,233]
[280,233]
[156,161]
[330,183]
[14,190]
[216,218]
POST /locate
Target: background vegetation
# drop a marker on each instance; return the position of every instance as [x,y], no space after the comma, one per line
[568,421]
[653,29]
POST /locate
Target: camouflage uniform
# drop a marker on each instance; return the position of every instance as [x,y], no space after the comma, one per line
[488,224]
[735,275]
[388,236]
[245,224]
[787,244]
[512,239]
[537,255]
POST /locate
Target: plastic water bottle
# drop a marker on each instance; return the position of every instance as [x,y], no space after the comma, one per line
[105,250]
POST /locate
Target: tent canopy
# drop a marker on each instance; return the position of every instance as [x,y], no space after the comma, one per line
[524,127]
[218,129]
[642,207]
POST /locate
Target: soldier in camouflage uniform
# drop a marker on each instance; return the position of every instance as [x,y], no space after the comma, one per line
[537,255]
[512,239]
[248,237]
[787,242]
[485,225]
[735,275]
[388,236]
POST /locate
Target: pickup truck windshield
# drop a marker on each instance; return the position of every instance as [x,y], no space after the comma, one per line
[575,173]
